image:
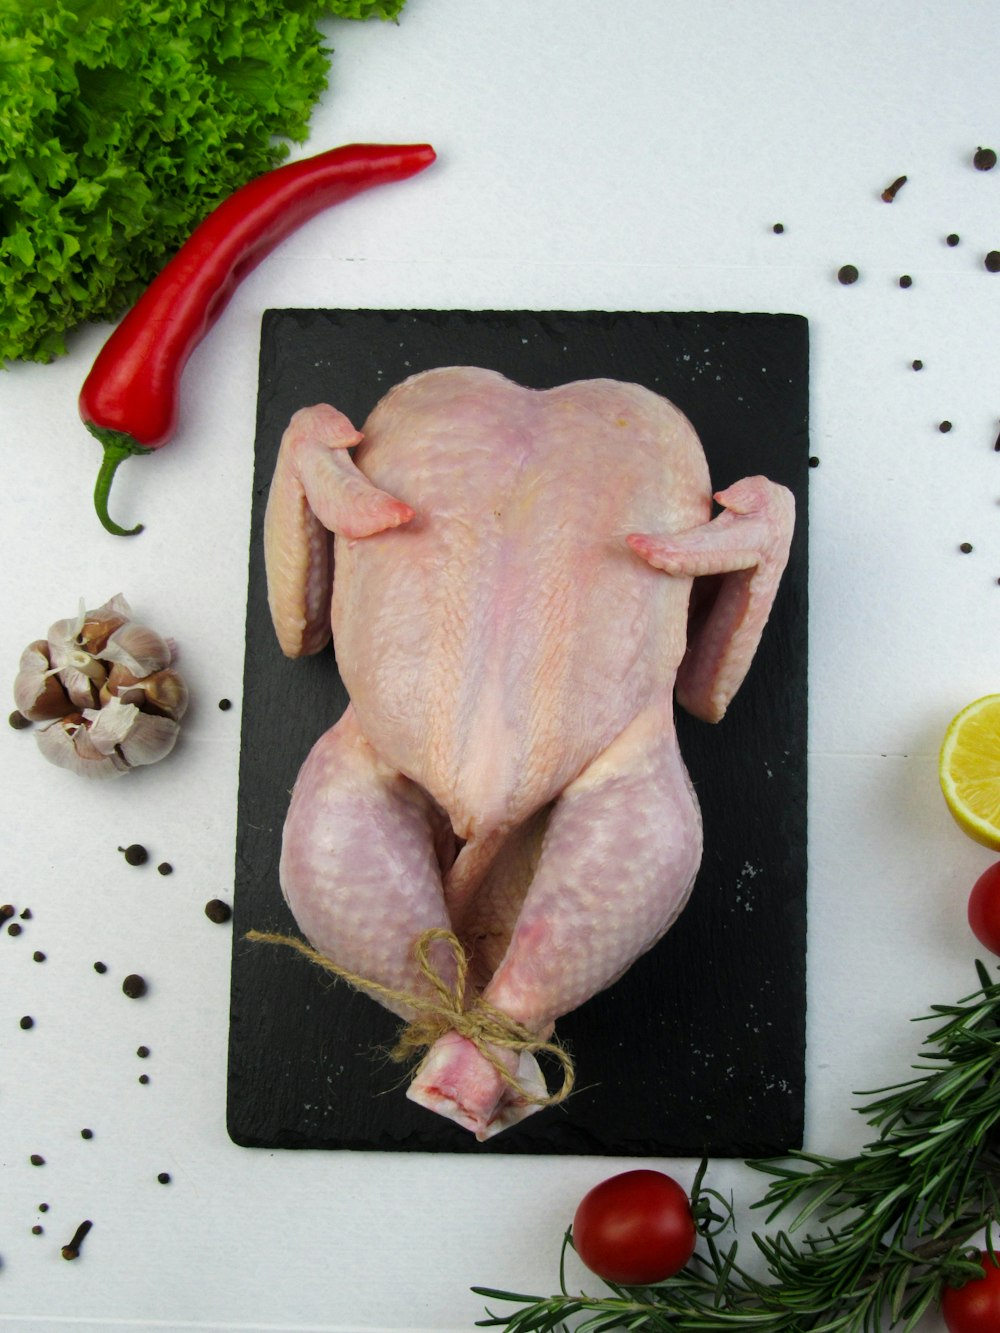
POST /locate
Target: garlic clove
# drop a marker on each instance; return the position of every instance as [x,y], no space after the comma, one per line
[101,623]
[138,648]
[164,692]
[151,739]
[65,743]
[38,692]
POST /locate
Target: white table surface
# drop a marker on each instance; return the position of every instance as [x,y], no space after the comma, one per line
[591,155]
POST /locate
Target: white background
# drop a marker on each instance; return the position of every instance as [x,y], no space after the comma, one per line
[591,155]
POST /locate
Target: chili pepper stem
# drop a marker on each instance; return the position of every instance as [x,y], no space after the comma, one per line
[117,447]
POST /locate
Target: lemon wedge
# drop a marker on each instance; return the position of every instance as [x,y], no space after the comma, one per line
[969,770]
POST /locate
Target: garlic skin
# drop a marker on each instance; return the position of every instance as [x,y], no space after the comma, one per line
[105,684]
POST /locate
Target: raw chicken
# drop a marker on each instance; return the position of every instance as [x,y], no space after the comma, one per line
[510,612]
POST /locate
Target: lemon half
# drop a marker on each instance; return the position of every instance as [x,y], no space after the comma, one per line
[969,770]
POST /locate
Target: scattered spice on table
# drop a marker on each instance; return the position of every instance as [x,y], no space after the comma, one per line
[953,239]
[984,159]
[14,928]
[917,365]
[847,274]
[225,704]
[86,1133]
[37,1229]
[906,280]
[135,854]
[944,427]
[218,911]
[27,1022]
[36,1159]
[890,191]
[72,1250]
[778,228]
[165,868]
[992,261]
[100,967]
[134,986]
[7,911]
[38,956]
[814,461]
[26,914]
[164,1177]
[144,1079]
[18,721]
[965,548]
[142,1052]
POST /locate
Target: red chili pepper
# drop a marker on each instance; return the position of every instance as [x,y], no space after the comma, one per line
[129,401]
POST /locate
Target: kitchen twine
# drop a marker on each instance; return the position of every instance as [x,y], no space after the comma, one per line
[446,1011]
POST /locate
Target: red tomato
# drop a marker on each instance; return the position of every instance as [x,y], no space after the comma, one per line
[635,1228]
[974,1308]
[984,910]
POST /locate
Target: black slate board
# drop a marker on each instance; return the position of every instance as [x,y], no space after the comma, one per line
[699,1049]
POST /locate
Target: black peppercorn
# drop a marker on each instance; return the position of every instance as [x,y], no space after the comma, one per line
[27,1022]
[918,365]
[906,280]
[135,854]
[36,1159]
[847,274]
[100,967]
[225,705]
[165,868]
[14,928]
[18,721]
[142,1052]
[86,1133]
[965,548]
[953,239]
[164,1177]
[7,911]
[218,911]
[992,261]
[778,228]
[944,427]
[38,956]
[134,986]
[984,159]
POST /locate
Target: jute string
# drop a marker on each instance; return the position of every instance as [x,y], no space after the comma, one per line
[446,1011]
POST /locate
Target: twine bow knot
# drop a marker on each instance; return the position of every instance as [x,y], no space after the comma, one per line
[445,1010]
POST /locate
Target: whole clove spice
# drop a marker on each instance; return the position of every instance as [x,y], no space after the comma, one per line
[890,192]
[72,1250]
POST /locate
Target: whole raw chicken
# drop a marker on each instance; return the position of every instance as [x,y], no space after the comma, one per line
[510,612]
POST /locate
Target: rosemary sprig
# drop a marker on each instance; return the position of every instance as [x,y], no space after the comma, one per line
[890,1226]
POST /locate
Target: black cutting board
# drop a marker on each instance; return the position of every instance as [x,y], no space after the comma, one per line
[700,1048]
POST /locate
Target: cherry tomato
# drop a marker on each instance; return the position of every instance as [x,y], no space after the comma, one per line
[635,1228]
[974,1308]
[984,908]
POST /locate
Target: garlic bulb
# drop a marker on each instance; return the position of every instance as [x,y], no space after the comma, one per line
[105,686]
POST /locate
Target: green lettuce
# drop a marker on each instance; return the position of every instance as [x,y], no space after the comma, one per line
[122,124]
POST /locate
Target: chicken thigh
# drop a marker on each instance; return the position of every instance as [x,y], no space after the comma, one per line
[511,574]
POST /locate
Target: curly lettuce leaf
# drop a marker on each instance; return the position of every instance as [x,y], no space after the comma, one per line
[123,123]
